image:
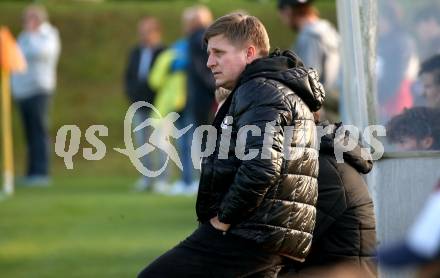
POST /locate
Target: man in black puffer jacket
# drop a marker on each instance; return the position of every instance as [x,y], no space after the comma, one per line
[257,193]
[345,229]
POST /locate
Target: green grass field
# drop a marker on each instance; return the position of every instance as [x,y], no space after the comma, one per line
[88,227]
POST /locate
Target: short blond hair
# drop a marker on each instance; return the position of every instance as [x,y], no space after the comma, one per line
[240,28]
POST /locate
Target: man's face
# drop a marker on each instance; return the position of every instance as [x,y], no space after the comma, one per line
[431,90]
[288,18]
[148,32]
[409,143]
[226,61]
[31,22]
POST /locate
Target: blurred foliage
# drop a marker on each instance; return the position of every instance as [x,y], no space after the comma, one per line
[96,37]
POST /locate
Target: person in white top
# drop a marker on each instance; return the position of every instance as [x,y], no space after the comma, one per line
[39,41]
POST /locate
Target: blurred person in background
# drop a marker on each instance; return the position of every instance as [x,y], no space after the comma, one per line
[140,60]
[415,129]
[317,44]
[421,245]
[345,230]
[427,27]
[396,65]
[168,78]
[32,90]
[201,103]
[430,80]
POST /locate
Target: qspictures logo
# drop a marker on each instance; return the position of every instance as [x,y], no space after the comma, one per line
[159,138]
[163,130]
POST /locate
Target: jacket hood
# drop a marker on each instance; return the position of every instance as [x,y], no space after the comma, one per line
[287,68]
[353,157]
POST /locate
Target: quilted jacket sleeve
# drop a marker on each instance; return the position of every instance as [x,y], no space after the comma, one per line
[255,103]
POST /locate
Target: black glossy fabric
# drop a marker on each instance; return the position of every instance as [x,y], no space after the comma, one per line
[270,201]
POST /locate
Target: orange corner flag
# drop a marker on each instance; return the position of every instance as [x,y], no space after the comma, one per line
[11,58]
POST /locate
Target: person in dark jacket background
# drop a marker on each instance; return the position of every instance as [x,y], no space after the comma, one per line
[345,230]
[254,211]
[141,59]
[200,82]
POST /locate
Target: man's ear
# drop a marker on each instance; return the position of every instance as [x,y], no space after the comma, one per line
[251,54]
[427,142]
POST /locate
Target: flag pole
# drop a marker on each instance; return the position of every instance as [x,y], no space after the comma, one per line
[8,158]
[10,60]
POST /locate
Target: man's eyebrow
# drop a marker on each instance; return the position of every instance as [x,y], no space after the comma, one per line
[214,50]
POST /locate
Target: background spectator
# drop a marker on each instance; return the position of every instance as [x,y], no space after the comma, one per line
[318,41]
[417,128]
[430,79]
[39,41]
[345,230]
[201,85]
[140,61]
[169,78]
[317,44]
[396,65]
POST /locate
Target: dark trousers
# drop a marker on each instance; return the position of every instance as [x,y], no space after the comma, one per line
[34,114]
[211,253]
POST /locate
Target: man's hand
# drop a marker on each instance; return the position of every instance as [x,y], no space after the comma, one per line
[219,225]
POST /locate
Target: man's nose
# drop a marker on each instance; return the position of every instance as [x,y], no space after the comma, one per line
[211,62]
